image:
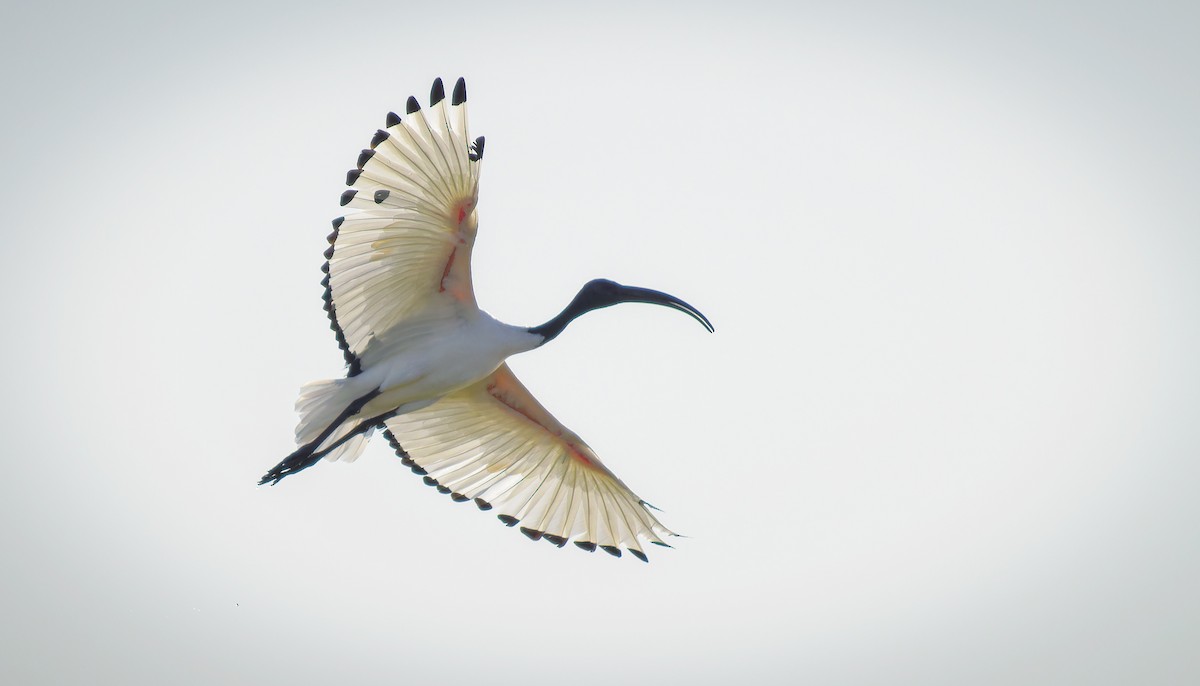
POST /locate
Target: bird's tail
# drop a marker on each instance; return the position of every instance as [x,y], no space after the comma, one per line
[319,405]
[328,428]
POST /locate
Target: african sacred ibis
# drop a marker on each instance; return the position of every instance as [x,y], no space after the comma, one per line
[426,365]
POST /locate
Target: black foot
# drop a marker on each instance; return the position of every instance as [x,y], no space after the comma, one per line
[298,461]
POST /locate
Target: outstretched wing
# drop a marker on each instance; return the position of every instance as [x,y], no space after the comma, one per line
[409,248]
[495,444]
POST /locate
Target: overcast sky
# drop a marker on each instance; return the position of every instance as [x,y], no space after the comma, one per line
[946,431]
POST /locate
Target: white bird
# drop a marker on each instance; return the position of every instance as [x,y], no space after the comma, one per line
[427,366]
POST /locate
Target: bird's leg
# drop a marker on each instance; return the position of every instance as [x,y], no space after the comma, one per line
[306,455]
[363,426]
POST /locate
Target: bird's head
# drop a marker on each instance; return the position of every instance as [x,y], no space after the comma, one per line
[599,293]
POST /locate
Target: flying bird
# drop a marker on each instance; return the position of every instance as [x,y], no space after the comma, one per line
[427,367]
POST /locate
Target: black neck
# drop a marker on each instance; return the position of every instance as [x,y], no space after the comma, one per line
[550,330]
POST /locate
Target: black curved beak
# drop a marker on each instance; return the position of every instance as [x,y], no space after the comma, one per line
[634,294]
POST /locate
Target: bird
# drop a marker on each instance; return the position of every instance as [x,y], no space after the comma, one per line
[427,367]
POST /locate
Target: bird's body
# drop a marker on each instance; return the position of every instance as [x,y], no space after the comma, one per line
[426,365]
[418,362]
[432,357]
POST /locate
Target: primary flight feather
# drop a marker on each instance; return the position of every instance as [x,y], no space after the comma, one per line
[427,367]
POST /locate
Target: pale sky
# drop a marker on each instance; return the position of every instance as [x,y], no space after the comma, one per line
[945,432]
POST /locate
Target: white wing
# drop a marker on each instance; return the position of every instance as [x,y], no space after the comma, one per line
[410,247]
[494,443]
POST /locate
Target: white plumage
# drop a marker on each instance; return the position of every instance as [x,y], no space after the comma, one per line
[426,365]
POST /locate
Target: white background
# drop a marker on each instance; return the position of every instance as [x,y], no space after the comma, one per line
[946,431]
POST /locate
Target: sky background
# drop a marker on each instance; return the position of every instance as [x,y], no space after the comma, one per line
[946,431]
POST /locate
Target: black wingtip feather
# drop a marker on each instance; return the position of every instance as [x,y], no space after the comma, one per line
[475,151]
[531,534]
[459,497]
[437,93]
[483,504]
[586,545]
[639,554]
[364,157]
[381,195]
[352,176]
[379,137]
[611,550]
[395,444]
[355,365]
[460,92]
[558,541]
[443,490]
[508,520]
[430,481]
[391,439]
[412,105]
[347,196]
[337,223]
[391,120]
